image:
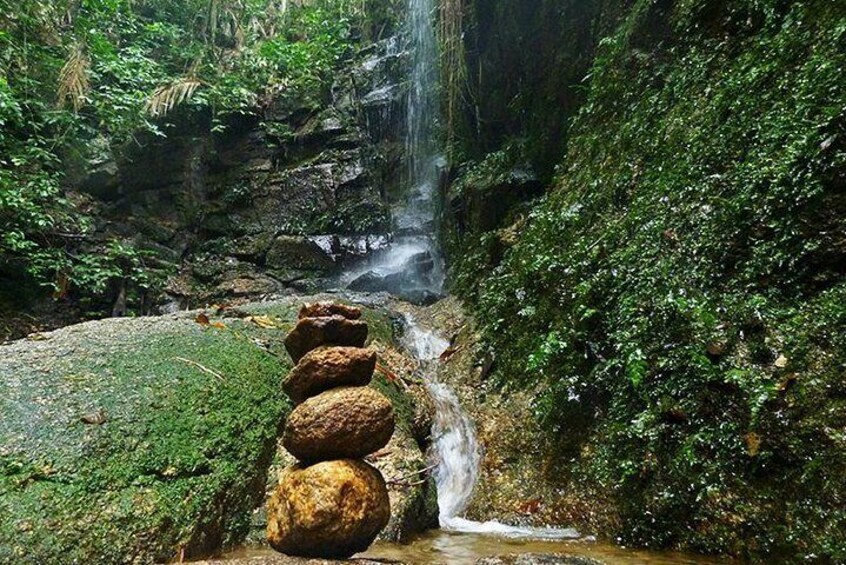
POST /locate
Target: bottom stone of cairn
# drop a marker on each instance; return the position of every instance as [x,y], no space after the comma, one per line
[330,510]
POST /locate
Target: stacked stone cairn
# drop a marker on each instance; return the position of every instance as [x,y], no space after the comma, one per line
[331,504]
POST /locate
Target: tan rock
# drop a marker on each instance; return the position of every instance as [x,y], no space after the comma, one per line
[330,510]
[329,367]
[343,423]
[324,309]
[311,333]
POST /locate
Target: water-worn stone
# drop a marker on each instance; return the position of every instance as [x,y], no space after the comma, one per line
[343,423]
[329,367]
[311,333]
[324,309]
[331,510]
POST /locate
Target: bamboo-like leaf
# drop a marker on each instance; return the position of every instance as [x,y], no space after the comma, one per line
[167,97]
[73,79]
[453,58]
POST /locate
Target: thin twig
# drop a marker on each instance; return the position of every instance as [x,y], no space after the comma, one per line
[405,478]
[201,367]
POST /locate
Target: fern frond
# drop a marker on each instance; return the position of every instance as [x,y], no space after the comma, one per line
[167,97]
[73,79]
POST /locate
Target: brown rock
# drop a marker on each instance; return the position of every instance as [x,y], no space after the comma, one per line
[343,423]
[324,309]
[330,510]
[311,333]
[329,367]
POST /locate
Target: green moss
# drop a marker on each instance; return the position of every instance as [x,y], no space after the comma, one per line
[679,296]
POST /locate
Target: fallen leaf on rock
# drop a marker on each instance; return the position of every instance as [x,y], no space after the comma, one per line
[390,375]
[265,322]
[94,418]
[202,319]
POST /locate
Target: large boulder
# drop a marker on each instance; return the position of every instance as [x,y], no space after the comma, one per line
[343,423]
[311,333]
[294,257]
[330,510]
[329,367]
[134,440]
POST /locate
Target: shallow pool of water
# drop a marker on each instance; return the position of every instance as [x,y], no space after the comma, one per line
[439,546]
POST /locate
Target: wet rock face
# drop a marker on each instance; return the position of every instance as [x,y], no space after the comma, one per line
[339,424]
[311,333]
[260,193]
[330,367]
[332,509]
[410,281]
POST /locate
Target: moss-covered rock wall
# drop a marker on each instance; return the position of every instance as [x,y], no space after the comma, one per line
[678,294]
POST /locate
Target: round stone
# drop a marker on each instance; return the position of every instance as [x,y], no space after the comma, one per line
[329,367]
[330,510]
[342,423]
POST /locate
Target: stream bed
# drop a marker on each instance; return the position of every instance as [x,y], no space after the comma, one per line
[454,548]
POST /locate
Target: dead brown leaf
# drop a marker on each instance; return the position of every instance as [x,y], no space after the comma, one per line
[264,322]
[753,444]
[95,418]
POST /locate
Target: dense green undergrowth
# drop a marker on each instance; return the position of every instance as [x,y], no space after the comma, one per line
[680,294]
[80,80]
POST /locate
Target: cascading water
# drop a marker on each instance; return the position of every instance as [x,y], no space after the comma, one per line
[411,266]
[456,451]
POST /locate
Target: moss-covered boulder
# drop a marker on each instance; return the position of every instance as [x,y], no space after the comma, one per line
[137,440]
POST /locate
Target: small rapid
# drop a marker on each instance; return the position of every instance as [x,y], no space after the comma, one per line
[456,453]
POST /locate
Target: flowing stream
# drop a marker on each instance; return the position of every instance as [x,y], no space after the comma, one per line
[456,451]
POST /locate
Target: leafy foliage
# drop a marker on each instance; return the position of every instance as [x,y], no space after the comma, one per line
[74,71]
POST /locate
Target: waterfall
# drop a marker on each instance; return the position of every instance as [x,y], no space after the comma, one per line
[411,267]
[422,114]
[456,451]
